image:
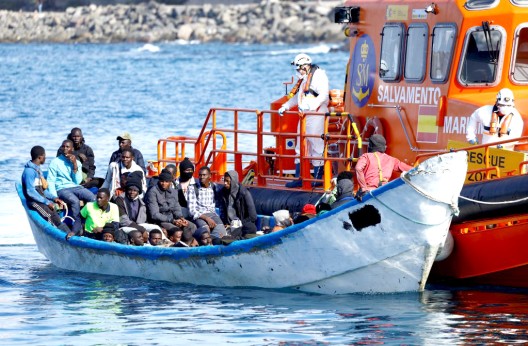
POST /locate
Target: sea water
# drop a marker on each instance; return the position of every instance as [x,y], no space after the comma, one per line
[45,90]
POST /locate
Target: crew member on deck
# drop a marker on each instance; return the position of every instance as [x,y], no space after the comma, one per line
[500,121]
[310,94]
[375,168]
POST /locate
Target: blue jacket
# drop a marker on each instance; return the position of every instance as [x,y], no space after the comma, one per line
[61,175]
[32,185]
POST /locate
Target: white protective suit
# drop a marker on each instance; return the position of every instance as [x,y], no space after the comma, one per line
[483,116]
[314,123]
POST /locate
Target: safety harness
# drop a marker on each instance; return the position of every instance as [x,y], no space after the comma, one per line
[381,180]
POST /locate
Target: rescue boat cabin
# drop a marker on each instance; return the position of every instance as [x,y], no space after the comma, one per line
[416,72]
[423,67]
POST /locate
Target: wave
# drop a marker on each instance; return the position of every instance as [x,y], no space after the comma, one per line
[148,47]
[14,223]
[323,48]
[184,42]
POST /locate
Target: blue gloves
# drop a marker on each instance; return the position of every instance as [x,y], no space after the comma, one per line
[473,141]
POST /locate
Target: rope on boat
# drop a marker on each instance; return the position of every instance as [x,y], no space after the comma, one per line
[66,213]
[407,218]
[453,204]
[493,203]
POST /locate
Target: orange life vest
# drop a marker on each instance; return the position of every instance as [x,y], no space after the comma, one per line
[504,127]
[307,89]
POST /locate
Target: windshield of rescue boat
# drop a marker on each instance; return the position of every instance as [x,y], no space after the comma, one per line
[483,49]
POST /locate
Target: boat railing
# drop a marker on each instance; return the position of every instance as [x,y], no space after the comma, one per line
[490,168]
[398,110]
[255,142]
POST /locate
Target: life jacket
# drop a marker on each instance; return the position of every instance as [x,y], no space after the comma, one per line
[307,89]
[504,128]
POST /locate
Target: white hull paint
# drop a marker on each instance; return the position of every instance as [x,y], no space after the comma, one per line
[405,223]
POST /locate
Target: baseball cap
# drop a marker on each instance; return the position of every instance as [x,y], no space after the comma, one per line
[124,135]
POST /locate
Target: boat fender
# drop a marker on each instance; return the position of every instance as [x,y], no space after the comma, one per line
[446,249]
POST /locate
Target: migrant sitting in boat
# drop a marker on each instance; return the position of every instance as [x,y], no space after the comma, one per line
[85,154]
[163,208]
[125,142]
[100,214]
[132,208]
[64,178]
[240,213]
[202,207]
[117,172]
[36,191]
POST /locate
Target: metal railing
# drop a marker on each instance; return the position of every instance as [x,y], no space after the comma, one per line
[243,141]
[488,167]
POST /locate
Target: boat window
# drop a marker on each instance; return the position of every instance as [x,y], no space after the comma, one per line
[444,35]
[416,52]
[522,3]
[481,56]
[391,51]
[480,4]
[520,65]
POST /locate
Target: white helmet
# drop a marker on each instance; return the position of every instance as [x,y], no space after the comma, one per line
[505,97]
[301,59]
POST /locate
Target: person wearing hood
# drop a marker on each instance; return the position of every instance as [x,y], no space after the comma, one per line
[310,94]
[375,167]
[239,208]
[186,184]
[163,207]
[345,192]
[34,187]
[132,209]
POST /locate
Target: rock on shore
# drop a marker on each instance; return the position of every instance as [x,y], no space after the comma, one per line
[267,22]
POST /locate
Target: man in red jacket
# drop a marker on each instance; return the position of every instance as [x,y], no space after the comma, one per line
[375,168]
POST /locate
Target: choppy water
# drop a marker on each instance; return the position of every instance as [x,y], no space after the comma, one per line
[45,90]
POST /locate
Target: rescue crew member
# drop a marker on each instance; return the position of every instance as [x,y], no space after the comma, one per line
[310,94]
[375,168]
[500,121]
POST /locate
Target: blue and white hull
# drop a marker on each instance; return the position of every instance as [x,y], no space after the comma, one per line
[387,243]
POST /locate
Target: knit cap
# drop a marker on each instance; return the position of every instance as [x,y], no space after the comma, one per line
[377,143]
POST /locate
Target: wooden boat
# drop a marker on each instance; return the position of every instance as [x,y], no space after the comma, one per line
[387,243]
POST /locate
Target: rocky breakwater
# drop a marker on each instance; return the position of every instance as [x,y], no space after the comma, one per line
[269,21]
